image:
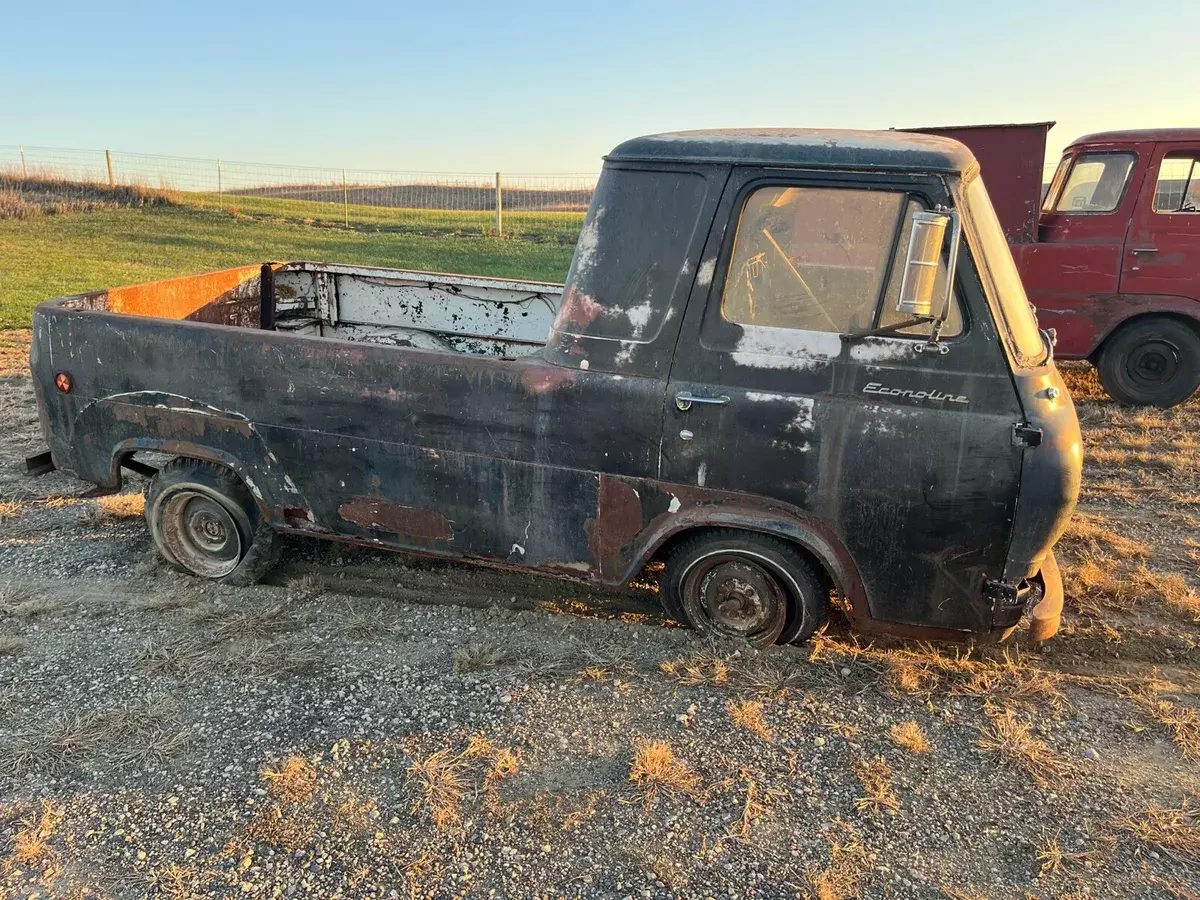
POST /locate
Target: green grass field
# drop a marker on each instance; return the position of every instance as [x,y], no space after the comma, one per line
[51,255]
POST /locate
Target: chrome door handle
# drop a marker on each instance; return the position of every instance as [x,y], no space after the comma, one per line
[684,400]
[1143,250]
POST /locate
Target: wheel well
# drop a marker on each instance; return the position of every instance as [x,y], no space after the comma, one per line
[1191,323]
[665,549]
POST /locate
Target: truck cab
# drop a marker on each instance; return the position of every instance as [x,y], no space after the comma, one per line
[1111,259]
[786,363]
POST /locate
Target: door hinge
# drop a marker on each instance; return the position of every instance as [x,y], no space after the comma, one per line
[1026,435]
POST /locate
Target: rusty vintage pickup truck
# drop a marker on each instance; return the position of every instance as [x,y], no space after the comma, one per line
[787,363]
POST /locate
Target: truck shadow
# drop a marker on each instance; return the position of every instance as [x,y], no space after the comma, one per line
[388,575]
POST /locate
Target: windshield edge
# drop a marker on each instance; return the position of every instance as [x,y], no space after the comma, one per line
[983,265]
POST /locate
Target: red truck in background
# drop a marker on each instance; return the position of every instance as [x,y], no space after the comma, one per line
[1110,253]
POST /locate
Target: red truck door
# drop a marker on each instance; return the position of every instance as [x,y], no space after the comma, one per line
[1162,247]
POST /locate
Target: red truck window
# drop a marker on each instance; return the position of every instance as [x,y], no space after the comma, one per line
[813,259]
[1096,183]
[1178,188]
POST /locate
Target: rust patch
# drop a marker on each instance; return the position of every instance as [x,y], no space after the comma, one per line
[176,419]
[183,298]
[618,520]
[413,521]
[543,378]
[577,310]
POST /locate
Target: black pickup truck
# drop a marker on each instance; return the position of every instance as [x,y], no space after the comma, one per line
[787,363]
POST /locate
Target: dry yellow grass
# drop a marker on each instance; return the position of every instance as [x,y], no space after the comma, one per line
[9,509]
[1094,534]
[699,668]
[481,656]
[31,843]
[1054,859]
[1014,743]
[1182,721]
[875,776]
[910,736]
[444,777]
[36,607]
[748,714]
[1172,830]
[442,781]
[293,782]
[1107,569]
[283,826]
[505,763]
[1171,589]
[919,670]
[12,644]
[841,877]
[115,507]
[904,678]
[177,882]
[655,769]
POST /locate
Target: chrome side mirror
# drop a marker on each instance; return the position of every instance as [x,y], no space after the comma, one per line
[919,288]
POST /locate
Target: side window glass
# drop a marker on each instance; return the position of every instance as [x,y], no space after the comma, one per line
[811,259]
[953,326]
[1178,187]
[1051,190]
[1096,183]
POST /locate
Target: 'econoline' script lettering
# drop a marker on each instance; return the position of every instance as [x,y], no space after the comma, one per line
[936,396]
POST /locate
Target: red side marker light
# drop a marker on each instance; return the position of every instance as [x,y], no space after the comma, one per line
[63,382]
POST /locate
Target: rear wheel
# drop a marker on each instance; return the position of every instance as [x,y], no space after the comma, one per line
[740,585]
[204,521]
[1151,362]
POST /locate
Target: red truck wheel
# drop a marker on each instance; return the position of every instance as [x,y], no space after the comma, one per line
[1151,362]
[204,522]
[741,585]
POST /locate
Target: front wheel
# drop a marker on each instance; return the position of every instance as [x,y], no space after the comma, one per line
[204,521]
[1152,362]
[746,586]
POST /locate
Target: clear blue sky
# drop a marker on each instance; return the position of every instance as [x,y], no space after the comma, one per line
[461,85]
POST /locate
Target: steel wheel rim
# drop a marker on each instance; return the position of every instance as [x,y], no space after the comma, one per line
[201,534]
[1153,364]
[732,595]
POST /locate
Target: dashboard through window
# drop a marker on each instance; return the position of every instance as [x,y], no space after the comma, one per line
[1096,183]
[812,259]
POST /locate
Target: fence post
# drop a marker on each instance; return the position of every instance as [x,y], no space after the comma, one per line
[108,159]
[24,168]
[499,208]
[219,186]
[345,199]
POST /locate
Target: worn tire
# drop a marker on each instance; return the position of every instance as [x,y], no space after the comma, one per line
[742,585]
[1151,362]
[205,522]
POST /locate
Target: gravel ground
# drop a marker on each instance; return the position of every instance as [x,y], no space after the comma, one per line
[377,725]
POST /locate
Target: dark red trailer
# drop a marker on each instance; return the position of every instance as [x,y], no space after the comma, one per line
[1110,252]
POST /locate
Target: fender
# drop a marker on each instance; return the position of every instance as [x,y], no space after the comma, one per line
[668,510]
[112,427]
[1085,324]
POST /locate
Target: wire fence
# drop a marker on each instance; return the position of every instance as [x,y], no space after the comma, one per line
[538,207]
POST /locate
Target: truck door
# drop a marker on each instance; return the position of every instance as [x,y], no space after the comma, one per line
[906,457]
[1162,248]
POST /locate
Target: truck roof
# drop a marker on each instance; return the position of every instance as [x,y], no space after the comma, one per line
[806,147]
[1139,135]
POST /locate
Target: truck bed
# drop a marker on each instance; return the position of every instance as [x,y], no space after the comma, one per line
[401,307]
